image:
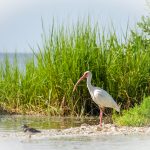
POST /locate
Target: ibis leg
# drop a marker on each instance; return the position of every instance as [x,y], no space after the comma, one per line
[101,116]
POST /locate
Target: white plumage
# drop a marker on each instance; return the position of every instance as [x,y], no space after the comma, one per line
[99,96]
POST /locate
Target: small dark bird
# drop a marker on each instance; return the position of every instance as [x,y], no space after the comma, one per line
[26,128]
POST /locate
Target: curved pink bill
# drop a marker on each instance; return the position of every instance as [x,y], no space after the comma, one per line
[78,82]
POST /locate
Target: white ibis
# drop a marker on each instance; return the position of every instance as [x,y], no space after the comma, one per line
[99,96]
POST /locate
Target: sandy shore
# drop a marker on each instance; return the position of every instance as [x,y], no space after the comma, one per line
[107,129]
[83,130]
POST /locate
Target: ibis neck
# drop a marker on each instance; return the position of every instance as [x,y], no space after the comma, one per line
[89,82]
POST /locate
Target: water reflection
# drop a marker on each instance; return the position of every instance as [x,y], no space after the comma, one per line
[14,123]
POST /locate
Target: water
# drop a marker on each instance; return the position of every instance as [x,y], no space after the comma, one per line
[22,59]
[11,124]
[82,143]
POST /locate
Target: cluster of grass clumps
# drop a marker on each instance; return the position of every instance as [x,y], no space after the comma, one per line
[136,116]
[121,67]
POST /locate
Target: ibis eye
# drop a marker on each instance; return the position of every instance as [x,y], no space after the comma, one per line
[86,74]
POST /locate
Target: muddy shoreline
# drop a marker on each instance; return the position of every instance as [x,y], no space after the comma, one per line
[83,130]
[95,130]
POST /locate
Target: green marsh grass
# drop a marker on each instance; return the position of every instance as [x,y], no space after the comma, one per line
[136,116]
[121,68]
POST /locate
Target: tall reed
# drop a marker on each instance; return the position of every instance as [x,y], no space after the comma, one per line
[121,68]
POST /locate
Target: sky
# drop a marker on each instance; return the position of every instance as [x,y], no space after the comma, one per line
[20,20]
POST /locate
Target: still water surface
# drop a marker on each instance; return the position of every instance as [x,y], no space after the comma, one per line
[118,142]
[22,59]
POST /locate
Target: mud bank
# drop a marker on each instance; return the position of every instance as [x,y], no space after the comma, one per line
[83,130]
[95,130]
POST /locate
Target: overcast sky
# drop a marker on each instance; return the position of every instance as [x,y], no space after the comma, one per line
[20,20]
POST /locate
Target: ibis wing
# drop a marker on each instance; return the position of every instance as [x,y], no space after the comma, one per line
[103,99]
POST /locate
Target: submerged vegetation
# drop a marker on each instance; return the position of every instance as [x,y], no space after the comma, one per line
[121,66]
